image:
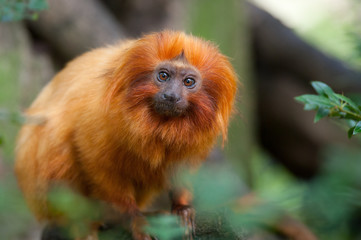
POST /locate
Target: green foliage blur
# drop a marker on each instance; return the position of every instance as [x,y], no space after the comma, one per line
[335,30]
[16,10]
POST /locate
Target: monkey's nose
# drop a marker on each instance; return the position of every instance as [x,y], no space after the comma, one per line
[171,97]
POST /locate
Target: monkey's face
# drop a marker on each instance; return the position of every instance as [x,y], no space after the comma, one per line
[176,80]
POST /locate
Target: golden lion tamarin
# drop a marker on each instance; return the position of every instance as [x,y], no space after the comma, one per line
[117,121]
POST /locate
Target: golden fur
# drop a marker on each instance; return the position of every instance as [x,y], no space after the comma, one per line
[100,134]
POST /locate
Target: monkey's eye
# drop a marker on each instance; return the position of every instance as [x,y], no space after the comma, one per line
[163,76]
[189,82]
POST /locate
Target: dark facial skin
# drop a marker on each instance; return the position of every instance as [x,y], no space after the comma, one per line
[176,80]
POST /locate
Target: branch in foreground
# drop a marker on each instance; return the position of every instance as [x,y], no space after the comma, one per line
[330,104]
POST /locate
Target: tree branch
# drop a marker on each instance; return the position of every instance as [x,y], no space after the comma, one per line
[278,47]
[73,27]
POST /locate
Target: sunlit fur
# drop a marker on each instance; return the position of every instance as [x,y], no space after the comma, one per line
[99,134]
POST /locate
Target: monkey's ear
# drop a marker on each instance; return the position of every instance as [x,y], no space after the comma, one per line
[181,57]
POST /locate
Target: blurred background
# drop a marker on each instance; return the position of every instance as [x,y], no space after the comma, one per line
[305,172]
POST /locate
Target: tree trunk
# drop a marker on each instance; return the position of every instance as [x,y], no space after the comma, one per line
[74,27]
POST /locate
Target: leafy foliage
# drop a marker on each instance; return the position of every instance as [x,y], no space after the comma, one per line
[165,227]
[16,10]
[331,202]
[76,209]
[15,217]
[11,117]
[330,104]
[8,117]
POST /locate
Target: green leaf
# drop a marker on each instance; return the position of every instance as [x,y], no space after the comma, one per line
[72,205]
[1,140]
[350,116]
[354,130]
[336,113]
[319,101]
[350,132]
[309,107]
[357,128]
[347,100]
[321,113]
[322,88]
[302,98]
[328,103]
[37,5]
[351,123]
[165,227]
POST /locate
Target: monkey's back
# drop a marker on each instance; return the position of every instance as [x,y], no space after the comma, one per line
[72,101]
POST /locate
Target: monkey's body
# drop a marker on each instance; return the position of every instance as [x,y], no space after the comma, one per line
[69,113]
[94,126]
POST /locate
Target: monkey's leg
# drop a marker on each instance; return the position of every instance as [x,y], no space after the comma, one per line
[138,222]
[131,217]
[181,206]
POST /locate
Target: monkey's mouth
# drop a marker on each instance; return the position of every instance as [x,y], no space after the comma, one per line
[168,109]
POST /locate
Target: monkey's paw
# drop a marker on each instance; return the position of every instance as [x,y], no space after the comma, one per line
[187,217]
[138,223]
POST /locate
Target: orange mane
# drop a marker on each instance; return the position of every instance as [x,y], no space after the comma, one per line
[209,110]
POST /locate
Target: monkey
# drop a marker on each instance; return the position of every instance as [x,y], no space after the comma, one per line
[117,122]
